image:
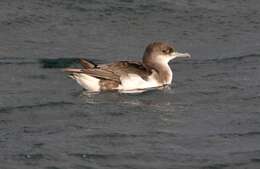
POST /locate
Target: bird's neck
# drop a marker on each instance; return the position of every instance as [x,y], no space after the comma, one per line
[165,74]
[163,71]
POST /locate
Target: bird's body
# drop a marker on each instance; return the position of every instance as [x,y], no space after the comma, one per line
[154,71]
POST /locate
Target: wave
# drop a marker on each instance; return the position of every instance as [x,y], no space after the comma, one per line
[58,63]
[16,61]
[249,57]
[247,134]
[45,63]
[239,58]
[114,135]
[48,104]
[24,20]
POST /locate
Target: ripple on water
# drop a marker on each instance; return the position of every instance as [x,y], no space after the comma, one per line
[25,107]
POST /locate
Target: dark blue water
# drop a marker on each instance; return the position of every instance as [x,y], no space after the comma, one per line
[208,119]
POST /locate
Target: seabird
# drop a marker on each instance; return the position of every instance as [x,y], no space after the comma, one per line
[153,71]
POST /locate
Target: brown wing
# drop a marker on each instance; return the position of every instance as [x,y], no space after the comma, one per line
[103,74]
[117,70]
[123,68]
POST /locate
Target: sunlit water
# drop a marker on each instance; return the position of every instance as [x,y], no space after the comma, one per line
[209,118]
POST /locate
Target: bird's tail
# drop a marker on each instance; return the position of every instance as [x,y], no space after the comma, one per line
[72,72]
[87,64]
[75,72]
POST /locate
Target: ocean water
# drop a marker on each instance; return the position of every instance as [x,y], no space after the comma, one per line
[208,119]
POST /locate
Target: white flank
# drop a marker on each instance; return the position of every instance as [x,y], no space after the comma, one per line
[88,82]
[133,82]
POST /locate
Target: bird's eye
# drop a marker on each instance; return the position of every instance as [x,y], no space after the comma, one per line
[168,51]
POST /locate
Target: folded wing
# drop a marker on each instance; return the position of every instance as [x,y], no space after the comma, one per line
[114,71]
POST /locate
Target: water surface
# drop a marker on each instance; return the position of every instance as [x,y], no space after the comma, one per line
[209,118]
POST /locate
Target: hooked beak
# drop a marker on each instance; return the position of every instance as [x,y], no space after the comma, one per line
[178,55]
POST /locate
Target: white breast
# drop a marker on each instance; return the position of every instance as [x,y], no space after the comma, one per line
[133,81]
